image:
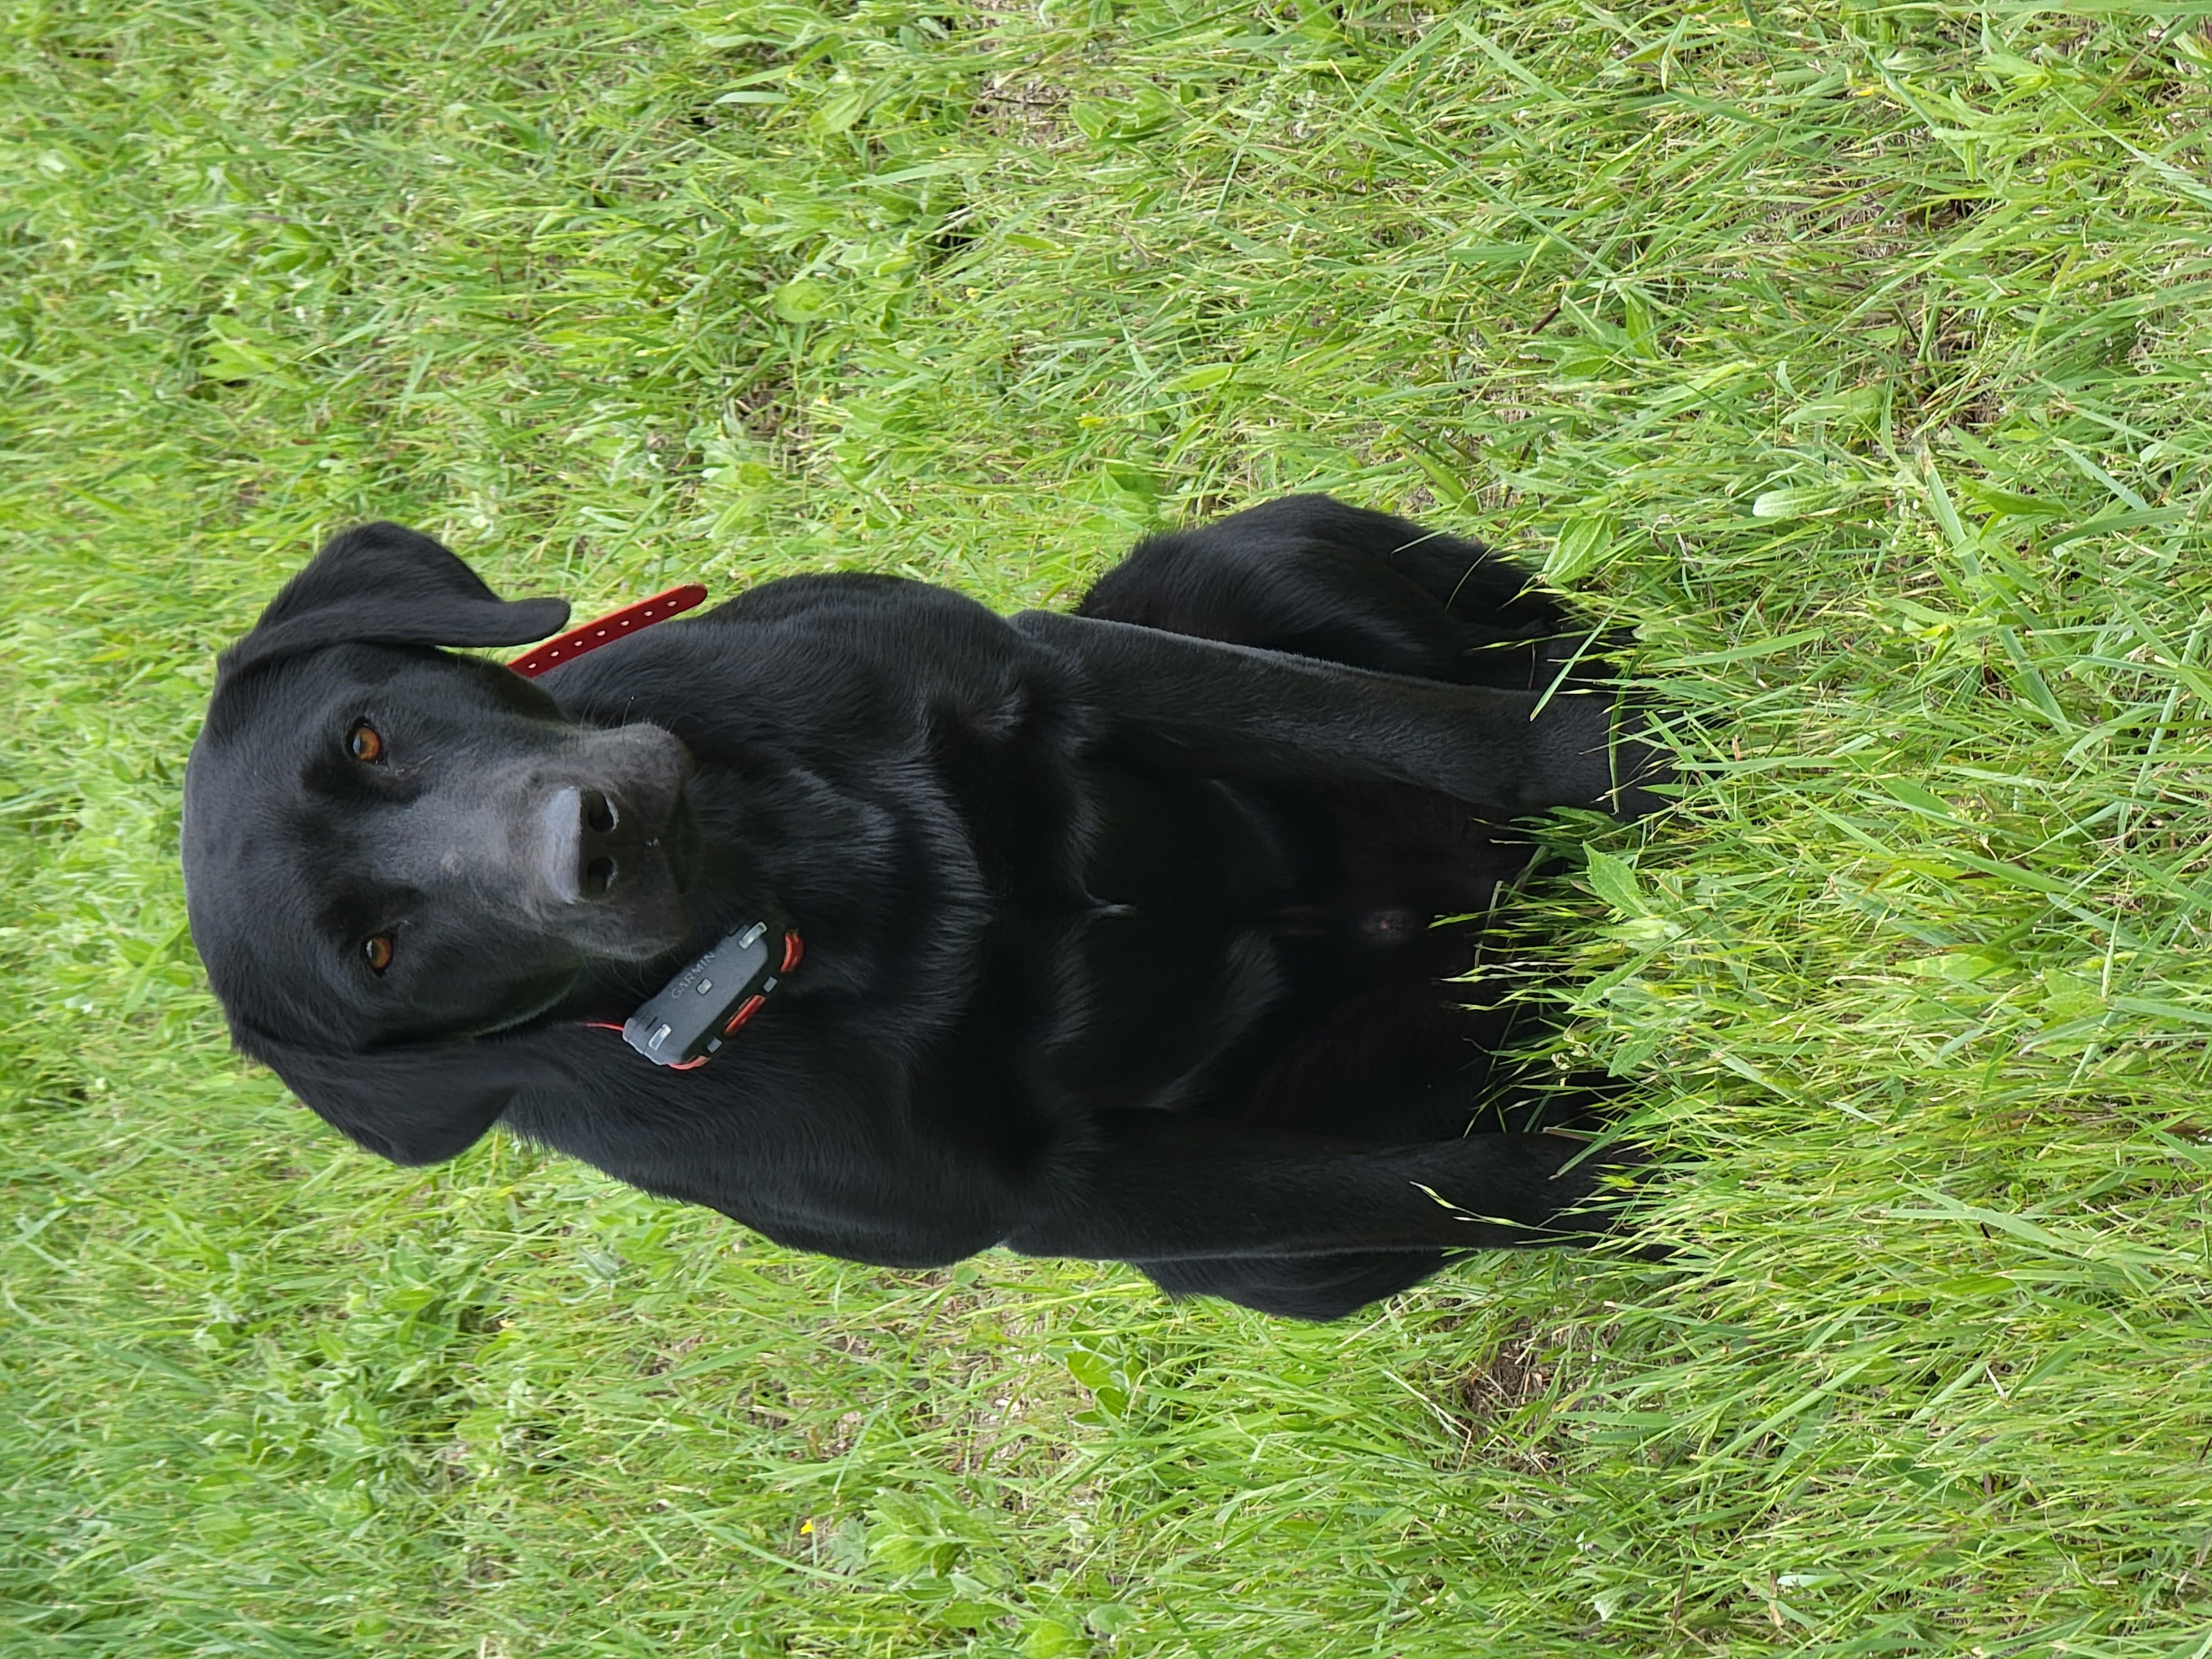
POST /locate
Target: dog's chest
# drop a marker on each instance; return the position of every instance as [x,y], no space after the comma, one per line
[1164,960]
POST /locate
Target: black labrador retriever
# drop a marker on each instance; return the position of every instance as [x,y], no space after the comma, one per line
[1112,934]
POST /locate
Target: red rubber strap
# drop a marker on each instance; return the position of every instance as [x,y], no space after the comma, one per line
[591,635]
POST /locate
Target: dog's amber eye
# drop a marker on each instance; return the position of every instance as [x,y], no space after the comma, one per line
[378,949]
[364,743]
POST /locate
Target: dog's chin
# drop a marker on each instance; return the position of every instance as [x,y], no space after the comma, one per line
[649,920]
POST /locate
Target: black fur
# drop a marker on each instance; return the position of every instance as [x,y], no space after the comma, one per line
[1117,924]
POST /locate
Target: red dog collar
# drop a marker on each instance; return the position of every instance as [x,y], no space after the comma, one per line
[591,635]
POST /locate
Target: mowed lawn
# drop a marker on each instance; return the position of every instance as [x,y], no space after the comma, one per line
[1855,357]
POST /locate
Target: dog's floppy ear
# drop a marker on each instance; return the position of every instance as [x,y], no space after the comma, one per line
[420,1103]
[383,585]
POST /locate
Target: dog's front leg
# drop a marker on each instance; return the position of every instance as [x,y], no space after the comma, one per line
[1154,1186]
[1207,708]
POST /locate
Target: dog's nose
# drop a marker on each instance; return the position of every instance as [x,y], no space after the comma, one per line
[598,866]
[583,846]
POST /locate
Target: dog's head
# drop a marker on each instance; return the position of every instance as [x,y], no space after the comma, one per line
[391,850]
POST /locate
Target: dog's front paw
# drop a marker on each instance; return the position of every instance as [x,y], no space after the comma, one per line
[1591,1180]
[1513,1191]
[1597,748]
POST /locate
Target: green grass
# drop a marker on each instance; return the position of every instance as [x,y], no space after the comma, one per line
[1856,357]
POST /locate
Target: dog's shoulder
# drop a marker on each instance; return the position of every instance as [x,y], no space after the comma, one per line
[845,597]
[808,1130]
[784,596]
[852,657]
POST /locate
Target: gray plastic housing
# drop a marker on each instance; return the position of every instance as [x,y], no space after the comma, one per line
[688,1019]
